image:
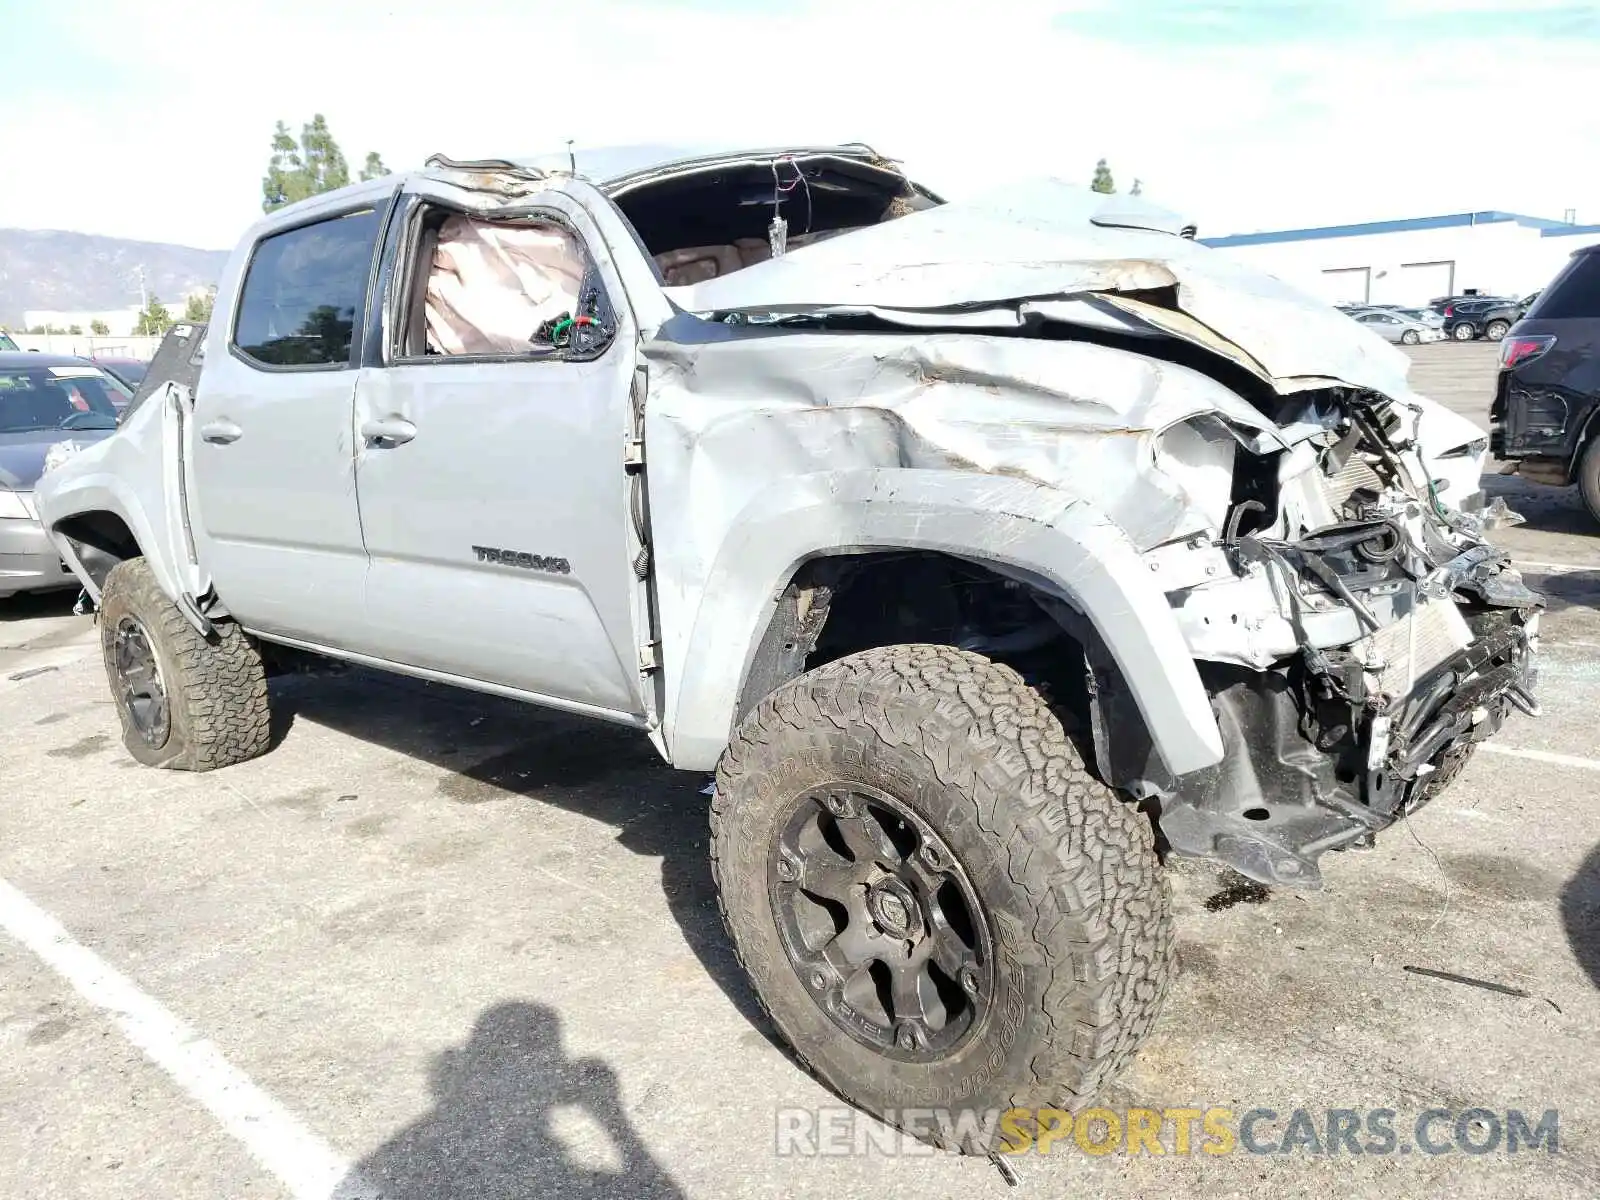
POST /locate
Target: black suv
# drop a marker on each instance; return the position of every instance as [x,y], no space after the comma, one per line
[1480,316]
[1546,411]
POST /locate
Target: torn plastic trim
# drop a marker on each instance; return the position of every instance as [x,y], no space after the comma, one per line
[488,177]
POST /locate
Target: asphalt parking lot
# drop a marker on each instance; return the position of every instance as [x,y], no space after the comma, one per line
[436,945]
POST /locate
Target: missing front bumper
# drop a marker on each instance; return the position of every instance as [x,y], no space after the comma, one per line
[1316,761]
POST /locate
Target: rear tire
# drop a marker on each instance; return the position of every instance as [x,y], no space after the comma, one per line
[904,750]
[1495,330]
[186,702]
[1464,332]
[1588,474]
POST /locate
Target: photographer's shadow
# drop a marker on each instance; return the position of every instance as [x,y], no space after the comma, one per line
[493,1135]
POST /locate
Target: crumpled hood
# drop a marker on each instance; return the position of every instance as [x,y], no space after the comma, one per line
[22,454]
[1051,239]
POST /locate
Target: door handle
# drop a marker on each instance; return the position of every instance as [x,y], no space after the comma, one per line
[220,433]
[388,431]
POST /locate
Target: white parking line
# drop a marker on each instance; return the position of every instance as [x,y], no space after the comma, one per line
[1544,756]
[1552,568]
[306,1165]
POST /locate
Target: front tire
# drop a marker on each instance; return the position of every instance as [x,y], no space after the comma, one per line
[186,702]
[1409,337]
[1495,330]
[937,902]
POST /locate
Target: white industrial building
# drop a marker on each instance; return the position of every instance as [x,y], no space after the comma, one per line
[1413,261]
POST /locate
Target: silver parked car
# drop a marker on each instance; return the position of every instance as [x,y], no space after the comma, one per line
[1396,327]
[1426,315]
[45,400]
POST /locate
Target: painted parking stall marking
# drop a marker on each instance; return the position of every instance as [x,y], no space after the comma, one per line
[278,1140]
[1544,756]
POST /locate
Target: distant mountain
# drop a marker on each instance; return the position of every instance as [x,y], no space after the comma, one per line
[50,269]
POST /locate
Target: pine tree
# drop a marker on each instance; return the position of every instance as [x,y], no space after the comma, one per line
[154,319]
[198,310]
[1102,179]
[310,166]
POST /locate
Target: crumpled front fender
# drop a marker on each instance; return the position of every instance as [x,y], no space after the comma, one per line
[1038,534]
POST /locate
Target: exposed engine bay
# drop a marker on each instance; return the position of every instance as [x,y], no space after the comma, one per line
[1357,637]
[1362,639]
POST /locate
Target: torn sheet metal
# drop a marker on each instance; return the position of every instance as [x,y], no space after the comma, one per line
[1042,241]
[1019,453]
[1082,419]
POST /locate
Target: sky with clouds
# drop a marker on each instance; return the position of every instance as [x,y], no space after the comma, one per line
[153,121]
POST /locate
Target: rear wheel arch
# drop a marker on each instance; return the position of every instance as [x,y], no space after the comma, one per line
[104,519]
[101,539]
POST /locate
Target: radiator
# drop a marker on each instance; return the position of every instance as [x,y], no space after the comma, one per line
[1434,632]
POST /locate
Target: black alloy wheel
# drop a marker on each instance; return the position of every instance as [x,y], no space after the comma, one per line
[880,920]
[140,688]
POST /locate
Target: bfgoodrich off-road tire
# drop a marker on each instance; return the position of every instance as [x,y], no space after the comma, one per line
[187,702]
[1073,926]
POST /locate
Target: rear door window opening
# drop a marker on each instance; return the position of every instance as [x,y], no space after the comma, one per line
[301,295]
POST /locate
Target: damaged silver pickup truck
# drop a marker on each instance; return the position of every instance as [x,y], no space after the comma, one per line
[988,551]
